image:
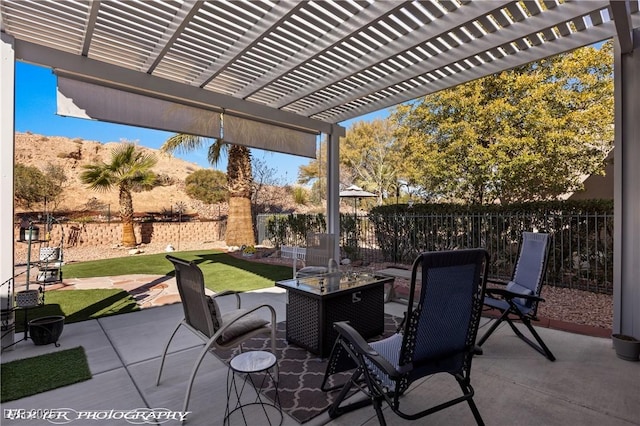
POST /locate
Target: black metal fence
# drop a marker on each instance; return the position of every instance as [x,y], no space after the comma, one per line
[581,255]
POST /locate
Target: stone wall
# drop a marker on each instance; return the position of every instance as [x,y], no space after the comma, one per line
[85,234]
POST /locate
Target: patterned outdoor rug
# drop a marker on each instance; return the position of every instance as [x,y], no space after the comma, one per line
[301,374]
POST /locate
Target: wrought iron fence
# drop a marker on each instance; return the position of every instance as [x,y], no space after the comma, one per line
[581,254]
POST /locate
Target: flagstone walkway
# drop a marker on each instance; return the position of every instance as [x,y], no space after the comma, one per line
[148,290]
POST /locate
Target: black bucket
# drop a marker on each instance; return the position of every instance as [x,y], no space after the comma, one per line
[46,330]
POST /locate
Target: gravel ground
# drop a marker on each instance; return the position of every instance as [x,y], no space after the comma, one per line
[574,306]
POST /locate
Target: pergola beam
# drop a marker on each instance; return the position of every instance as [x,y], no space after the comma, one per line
[621,11]
[142,83]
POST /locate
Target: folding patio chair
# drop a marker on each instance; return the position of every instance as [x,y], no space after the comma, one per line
[437,336]
[518,301]
[202,316]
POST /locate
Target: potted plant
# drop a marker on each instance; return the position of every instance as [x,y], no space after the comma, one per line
[627,347]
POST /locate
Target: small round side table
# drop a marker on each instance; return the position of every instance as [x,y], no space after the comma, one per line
[246,364]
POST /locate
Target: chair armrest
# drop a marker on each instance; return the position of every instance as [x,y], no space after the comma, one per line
[233,318]
[398,266]
[509,295]
[497,281]
[360,346]
[229,292]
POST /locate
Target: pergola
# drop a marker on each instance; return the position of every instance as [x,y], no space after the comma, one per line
[283,72]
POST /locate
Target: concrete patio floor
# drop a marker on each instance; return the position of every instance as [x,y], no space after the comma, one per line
[514,385]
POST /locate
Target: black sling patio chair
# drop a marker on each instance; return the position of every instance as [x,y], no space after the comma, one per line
[518,300]
[203,317]
[437,336]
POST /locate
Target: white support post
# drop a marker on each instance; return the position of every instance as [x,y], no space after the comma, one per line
[626,252]
[333,186]
[7,154]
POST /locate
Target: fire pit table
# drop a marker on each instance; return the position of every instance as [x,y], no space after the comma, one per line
[315,303]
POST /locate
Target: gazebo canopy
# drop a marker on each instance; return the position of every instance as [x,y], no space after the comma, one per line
[355,191]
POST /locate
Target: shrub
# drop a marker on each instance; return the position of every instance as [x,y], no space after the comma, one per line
[34,186]
[300,195]
[206,185]
[164,180]
[249,250]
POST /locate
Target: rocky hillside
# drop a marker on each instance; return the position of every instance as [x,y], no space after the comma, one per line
[72,154]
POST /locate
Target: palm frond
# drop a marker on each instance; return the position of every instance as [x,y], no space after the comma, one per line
[182,143]
[98,177]
[215,150]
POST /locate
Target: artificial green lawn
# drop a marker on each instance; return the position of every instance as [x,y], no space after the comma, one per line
[30,376]
[80,305]
[221,271]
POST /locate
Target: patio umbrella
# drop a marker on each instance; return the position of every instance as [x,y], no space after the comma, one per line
[355,192]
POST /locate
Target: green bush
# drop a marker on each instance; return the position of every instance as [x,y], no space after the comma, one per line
[206,185]
[581,231]
[35,186]
[292,229]
[581,254]
[300,195]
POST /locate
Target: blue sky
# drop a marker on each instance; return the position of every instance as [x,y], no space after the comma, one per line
[36,113]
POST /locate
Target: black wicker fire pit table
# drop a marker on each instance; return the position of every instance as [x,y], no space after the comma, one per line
[314,303]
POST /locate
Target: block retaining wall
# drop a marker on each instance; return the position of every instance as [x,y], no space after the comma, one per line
[89,234]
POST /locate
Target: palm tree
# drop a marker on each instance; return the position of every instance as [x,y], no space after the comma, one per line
[129,171]
[240,230]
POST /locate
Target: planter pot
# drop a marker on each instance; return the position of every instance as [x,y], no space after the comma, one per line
[27,234]
[627,347]
[46,330]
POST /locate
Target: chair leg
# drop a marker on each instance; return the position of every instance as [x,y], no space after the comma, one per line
[542,348]
[194,371]
[377,404]
[335,410]
[468,390]
[166,348]
[273,342]
[493,328]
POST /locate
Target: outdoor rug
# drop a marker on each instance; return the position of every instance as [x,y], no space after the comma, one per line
[301,373]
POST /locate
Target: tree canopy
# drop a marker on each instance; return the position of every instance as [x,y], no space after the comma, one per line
[368,158]
[207,185]
[34,186]
[370,151]
[531,133]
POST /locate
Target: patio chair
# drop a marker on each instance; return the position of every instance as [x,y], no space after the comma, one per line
[518,300]
[319,256]
[203,318]
[437,336]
